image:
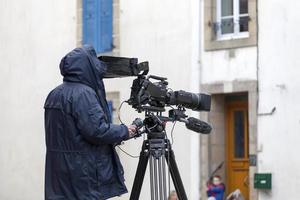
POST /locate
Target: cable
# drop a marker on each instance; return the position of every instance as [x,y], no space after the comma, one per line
[128,154]
[119,111]
[169,175]
[119,117]
[172,132]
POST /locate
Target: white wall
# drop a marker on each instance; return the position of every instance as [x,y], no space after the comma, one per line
[226,65]
[219,66]
[279,86]
[34,35]
[165,33]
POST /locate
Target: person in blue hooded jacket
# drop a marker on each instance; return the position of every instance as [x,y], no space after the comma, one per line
[81,161]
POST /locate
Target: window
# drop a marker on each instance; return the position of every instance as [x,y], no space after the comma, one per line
[97,24]
[232,19]
[229,24]
[113,101]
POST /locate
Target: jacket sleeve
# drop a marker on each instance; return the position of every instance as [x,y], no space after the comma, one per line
[90,120]
[217,189]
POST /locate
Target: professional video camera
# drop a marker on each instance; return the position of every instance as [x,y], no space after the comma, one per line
[150,94]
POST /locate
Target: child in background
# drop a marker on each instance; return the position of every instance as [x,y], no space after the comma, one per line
[216,189]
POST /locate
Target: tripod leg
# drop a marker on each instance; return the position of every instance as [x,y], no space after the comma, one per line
[151,177]
[170,158]
[160,178]
[140,173]
[164,177]
[155,179]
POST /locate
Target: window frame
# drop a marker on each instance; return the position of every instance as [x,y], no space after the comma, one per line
[236,18]
[211,40]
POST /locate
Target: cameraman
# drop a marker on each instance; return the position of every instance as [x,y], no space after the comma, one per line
[81,161]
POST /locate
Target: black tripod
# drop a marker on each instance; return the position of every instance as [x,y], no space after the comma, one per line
[157,149]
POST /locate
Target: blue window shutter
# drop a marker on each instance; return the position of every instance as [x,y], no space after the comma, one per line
[97,24]
[106,25]
[90,22]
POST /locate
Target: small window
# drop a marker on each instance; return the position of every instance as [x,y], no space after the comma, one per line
[229,24]
[113,101]
[232,19]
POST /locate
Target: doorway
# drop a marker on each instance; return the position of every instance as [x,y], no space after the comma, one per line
[237,144]
[219,145]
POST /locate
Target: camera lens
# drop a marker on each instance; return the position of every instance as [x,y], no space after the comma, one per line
[197,102]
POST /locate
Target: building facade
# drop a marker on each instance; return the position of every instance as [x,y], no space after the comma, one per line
[242,52]
[249,67]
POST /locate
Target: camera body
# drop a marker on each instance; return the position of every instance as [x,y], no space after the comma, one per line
[148,95]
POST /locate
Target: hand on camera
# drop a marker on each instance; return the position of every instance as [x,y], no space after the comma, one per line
[132,130]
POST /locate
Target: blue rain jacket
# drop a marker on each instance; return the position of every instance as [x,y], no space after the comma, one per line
[81,161]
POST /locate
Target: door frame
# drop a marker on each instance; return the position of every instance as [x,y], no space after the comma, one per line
[220,89]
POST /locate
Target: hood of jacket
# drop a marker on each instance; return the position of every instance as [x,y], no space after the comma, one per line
[82,65]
